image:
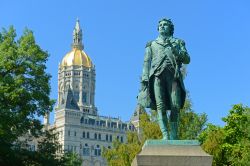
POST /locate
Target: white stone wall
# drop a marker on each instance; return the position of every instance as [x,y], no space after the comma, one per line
[71,137]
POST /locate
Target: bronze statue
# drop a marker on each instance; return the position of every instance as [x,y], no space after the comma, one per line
[162,83]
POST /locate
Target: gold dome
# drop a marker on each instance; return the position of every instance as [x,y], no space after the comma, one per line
[76,57]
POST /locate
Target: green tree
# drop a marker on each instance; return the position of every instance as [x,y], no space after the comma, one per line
[149,127]
[123,153]
[191,124]
[48,147]
[72,159]
[212,139]
[229,145]
[24,91]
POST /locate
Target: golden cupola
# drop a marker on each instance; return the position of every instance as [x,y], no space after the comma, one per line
[77,56]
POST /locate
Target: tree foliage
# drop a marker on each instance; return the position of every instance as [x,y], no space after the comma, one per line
[24,95]
[122,154]
[191,125]
[229,145]
[72,159]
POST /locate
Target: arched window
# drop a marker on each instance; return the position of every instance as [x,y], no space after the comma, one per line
[95,136]
[82,120]
[84,97]
[86,150]
[97,150]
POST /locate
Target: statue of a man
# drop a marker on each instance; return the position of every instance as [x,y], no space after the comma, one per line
[162,83]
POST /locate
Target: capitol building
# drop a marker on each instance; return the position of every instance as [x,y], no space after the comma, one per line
[79,126]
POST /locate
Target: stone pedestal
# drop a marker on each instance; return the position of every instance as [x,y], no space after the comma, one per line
[172,153]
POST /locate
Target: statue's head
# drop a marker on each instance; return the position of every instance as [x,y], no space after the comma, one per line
[165,26]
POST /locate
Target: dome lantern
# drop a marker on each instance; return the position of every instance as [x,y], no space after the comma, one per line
[77,36]
[77,56]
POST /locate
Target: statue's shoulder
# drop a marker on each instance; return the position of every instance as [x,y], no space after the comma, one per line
[177,40]
[149,44]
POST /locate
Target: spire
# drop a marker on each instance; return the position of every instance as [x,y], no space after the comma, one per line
[77,36]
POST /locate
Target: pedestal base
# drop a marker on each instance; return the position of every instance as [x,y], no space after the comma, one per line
[172,153]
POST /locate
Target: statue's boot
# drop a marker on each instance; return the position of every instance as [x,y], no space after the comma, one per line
[163,126]
[173,131]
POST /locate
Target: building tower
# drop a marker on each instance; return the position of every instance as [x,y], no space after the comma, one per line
[76,77]
[79,126]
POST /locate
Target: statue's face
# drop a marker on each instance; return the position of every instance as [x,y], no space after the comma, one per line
[164,28]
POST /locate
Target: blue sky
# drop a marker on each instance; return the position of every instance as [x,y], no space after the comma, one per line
[115,32]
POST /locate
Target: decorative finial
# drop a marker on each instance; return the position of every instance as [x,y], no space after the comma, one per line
[77,36]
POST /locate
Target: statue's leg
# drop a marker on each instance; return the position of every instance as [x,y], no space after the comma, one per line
[161,107]
[175,109]
[174,121]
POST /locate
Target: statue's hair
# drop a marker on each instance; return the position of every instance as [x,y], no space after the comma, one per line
[170,23]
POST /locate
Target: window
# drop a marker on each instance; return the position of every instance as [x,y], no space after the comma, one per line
[77,73]
[113,125]
[97,150]
[87,134]
[83,134]
[69,133]
[82,120]
[102,123]
[92,121]
[95,136]
[99,136]
[107,137]
[75,133]
[86,151]
[117,137]
[84,97]
[121,139]
[124,126]
[110,138]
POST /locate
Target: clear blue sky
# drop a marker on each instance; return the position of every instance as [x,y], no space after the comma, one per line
[217,35]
